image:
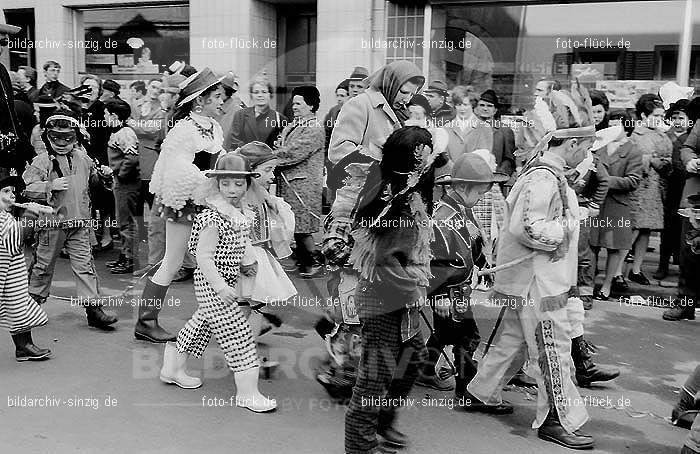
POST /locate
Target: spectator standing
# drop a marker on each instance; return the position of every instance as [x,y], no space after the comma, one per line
[301,175]
[648,198]
[258,122]
[29,79]
[442,113]
[53,87]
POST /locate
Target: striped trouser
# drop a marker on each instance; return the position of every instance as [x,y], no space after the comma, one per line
[226,322]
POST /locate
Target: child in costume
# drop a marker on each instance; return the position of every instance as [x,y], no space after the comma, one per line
[221,244]
[271,234]
[61,177]
[180,188]
[19,313]
[392,256]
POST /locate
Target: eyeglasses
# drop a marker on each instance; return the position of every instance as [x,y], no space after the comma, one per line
[61,137]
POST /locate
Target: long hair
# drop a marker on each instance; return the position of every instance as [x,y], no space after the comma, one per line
[185,109]
[391,176]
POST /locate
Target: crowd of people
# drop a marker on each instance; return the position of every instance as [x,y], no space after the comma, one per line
[419,194]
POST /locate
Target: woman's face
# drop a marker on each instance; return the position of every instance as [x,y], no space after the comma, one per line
[267,173]
[464,109]
[210,103]
[598,114]
[260,95]
[233,189]
[341,95]
[167,100]
[654,119]
[300,108]
[7,198]
[404,95]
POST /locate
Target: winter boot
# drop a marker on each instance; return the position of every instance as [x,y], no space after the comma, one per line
[174,369]
[112,263]
[147,327]
[586,371]
[126,267]
[98,319]
[552,430]
[25,350]
[247,394]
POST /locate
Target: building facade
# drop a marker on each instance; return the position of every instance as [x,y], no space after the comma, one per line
[622,47]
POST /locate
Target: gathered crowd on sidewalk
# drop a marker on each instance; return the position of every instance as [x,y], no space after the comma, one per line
[405,198]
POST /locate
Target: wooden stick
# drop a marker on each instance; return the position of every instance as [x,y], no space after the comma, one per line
[503,266]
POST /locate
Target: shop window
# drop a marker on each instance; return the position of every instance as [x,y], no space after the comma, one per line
[509,46]
[22,53]
[405,30]
[132,42]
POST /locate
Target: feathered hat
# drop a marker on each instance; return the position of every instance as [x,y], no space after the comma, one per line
[567,115]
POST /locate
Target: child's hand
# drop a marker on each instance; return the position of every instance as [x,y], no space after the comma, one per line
[228,295]
[59,184]
[249,270]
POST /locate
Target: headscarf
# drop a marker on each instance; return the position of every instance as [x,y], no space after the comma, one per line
[389,78]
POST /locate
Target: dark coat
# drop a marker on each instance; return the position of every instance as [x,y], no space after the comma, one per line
[94,119]
[15,152]
[691,150]
[54,89]
[246,127]
[503,148]
[443,115]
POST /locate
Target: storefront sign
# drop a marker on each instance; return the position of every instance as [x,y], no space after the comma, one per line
[623,94]
[99,59]
[588,72]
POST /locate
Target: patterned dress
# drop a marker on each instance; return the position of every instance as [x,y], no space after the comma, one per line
[648,198]
[214,316]
[18,311]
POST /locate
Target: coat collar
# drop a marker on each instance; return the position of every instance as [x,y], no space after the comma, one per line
[376,99]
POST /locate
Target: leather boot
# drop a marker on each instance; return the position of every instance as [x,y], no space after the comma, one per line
[680,311]
[98,319]
[386,430]
[552,430]
[586,370]
[247,394]
[25,350]
[147,327]
[174,369]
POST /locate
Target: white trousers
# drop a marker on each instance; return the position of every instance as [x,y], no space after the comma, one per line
[547,338]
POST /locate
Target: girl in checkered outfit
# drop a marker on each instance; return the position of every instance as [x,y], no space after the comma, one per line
[220,242]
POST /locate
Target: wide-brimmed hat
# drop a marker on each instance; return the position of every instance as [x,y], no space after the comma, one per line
[256,153]
[437,86]
[5,27]
[472,168]
[359,73]
[196,84]
[232,165]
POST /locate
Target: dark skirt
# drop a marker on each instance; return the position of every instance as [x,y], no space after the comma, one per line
[612,228]
[185,215]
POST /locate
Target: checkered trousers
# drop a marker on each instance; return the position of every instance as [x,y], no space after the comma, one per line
[226,322]
[387,369]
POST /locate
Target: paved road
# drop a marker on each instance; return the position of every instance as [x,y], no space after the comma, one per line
[104,395]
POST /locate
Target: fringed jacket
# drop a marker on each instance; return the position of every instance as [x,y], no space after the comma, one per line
[542,215]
